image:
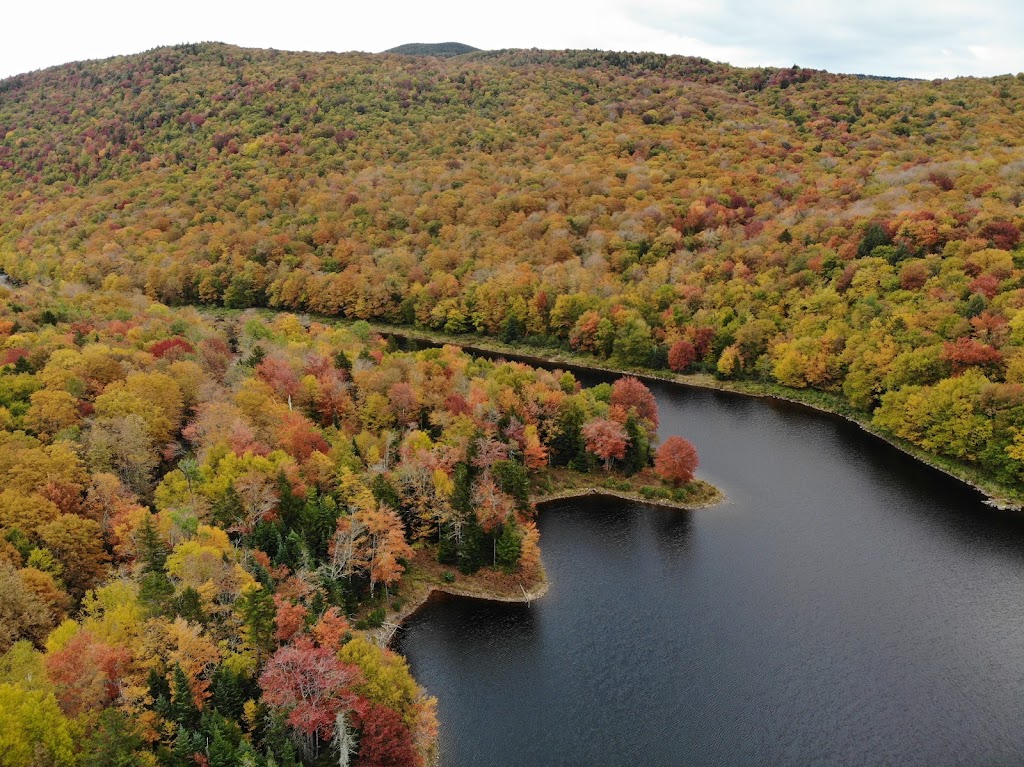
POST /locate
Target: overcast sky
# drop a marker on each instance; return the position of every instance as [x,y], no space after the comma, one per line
[936,38]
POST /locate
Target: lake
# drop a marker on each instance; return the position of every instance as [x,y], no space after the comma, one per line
[846,605]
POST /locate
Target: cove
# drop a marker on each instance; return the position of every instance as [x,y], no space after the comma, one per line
[846,605]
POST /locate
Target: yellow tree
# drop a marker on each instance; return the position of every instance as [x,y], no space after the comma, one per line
[51,412]
[33,731]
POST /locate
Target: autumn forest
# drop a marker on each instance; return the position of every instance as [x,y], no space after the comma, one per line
[221,482]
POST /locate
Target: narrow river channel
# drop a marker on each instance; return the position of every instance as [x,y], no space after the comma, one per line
[847,605]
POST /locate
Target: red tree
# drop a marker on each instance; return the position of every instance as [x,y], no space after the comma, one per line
[333,402]
[1003,234]
[331,629]
[491,506]
[606,439]
[384,740]
[456,404]
[311,684]
[702,337]
[171,347]
[404,402]
[279,376]
[630,393]
[299,437]
[681,355]
[11,356]
[87,673]
[966,353]
[216,356]
[985,284]
[676,460]
[290,618]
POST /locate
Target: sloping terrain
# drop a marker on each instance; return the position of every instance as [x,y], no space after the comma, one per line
[857,236]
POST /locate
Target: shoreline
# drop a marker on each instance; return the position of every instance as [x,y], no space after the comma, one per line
[393,621]
[994,495]
[385,635]
[719,496]
[425,589]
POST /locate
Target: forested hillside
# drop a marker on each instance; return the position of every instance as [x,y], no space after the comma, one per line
[858,236]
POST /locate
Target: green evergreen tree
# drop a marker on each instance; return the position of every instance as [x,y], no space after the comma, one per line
[115,742]
[228,693]
[447,551]
[509,547]
[512,330]
[187,743]
[182,706]
[293,551]
[568,444]
[256,356]
[266,537]
[276,742]
[462,493]
[319,519]
[228,510]
[256,609]
[158,686]
[385,492]
[638,451]
[474,548]
[223,738]
[289,504]
[874,237]
[152,551]
[513,479]
[189,605]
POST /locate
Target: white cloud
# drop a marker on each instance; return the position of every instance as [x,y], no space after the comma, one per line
[889,37]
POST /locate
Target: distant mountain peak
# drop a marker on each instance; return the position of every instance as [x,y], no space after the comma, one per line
[432,49]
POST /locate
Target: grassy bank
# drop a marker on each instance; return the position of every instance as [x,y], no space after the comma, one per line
[643,487]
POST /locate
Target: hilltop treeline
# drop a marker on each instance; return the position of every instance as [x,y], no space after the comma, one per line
[432,49]
[857,236]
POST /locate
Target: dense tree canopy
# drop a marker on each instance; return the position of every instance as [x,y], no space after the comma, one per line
[189,563]
[845,234]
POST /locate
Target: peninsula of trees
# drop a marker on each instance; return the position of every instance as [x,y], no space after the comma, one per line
[203,518]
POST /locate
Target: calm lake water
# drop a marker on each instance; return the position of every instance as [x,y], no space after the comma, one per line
[846,606]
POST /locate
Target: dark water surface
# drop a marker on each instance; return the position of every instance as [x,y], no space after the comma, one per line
[846,606]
